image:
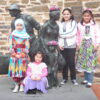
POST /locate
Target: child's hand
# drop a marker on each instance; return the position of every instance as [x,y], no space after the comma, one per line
[61,48]
[38,78]
[13,54]
[77,47]
[17,56]
[32,77]
[95,48]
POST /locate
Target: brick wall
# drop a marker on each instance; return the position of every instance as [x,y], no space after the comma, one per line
[39,10]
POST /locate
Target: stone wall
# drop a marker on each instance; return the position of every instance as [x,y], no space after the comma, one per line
[39,10]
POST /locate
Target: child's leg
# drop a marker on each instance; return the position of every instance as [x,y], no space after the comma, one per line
[21,89]
[89,79]
[42,85]
[16,81]
[85,76]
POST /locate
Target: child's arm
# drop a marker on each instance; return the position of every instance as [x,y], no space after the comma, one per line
[11,46]
[28,72]
[27,45]
[44,72]
[78,38]
[10,43]
[74,31]
[97,36]
[61,43]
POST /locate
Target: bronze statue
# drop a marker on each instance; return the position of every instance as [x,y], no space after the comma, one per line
[49,44]
[29,21]
[30,24]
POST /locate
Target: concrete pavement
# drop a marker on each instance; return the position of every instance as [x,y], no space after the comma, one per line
[66,92]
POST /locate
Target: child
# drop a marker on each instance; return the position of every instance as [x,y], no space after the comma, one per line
[19,45]
[67,44]
[87,45]
[36,74]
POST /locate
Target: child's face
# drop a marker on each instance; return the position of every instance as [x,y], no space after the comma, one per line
[66,15]
[19,27]
[38,58]
[87,17]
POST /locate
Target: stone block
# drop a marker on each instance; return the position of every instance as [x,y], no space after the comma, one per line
[1,18]
[92,4]
[3,48]
[60,3]
[77,12]
[71,0]
[86,0]
[45,1]
[35,3]
[96,15]
[4,63]
[13,1]
[38,18]
[5,31]
[8,18]
[1,10]
[3,42]
[71,4]
[43,8]
[3,2]
[25,1]
[3,38]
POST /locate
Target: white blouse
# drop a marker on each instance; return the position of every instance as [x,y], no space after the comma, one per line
[67,33]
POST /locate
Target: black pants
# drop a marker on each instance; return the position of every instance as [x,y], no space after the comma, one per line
[69,55]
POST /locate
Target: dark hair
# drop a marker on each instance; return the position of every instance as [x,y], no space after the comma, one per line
[35,53]
[89,12]
[70,11]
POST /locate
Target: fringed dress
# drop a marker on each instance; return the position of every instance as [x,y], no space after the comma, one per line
[17,66]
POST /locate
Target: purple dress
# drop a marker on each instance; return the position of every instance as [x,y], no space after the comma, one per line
[36,69]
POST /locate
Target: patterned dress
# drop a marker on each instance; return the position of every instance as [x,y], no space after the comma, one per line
[17,66]
[87,58]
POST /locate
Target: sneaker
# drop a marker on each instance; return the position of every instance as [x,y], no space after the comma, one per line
[84,82]
[74,82]
[21,89]
[16,88]
[88,85]
[63,82]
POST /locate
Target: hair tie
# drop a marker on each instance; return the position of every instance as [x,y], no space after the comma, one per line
[89,9]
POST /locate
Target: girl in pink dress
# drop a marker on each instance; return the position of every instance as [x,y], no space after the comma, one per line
[87,44]
[36,74]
